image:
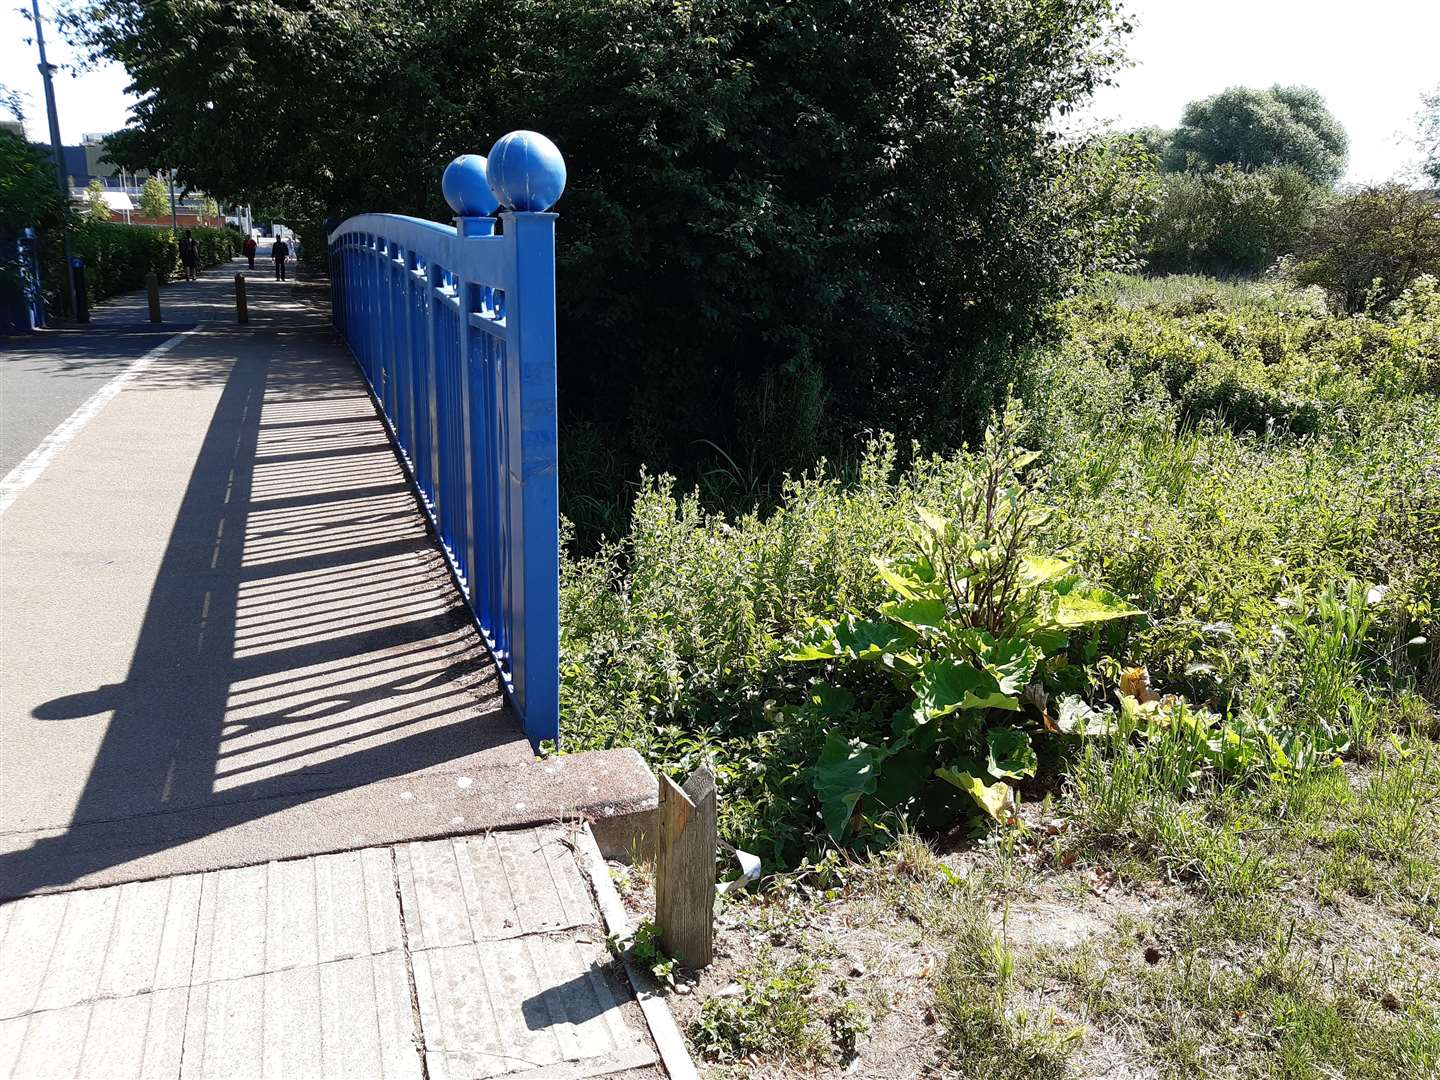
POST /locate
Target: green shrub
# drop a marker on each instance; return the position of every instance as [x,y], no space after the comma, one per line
[28,199]
[773,1016]
[978,621]
[1258,357]
[1369,246]
[1228,220]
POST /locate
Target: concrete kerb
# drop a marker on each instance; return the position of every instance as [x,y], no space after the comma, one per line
[669,1041]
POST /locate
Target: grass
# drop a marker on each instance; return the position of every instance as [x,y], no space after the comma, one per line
[1274,1013]
[985,1035]
[770,1014]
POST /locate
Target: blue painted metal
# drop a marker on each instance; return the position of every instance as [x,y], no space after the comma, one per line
[22,305]
[454,329]
[466,186]
[526,171]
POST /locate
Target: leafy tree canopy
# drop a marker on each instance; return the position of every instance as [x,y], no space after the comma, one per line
[784,221]
[1430,137]
[29,196]
[132,150]
[1251,128]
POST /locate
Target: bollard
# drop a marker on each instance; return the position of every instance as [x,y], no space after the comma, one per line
[242,312]
[82,299]
[152,291]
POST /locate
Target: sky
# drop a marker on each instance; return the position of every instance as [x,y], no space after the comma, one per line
[1371,61]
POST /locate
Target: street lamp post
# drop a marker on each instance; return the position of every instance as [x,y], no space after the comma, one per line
[56,151]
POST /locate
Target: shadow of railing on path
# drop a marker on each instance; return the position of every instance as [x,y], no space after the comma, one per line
[302,635]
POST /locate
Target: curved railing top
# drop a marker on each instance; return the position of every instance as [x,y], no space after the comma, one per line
[415,229]
[524,172]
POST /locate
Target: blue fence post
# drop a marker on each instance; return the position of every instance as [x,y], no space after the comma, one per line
[454,329]
[466,188]
[534,492]
[527,176]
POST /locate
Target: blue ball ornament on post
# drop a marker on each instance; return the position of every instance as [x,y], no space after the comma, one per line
[466,187]
[526,171]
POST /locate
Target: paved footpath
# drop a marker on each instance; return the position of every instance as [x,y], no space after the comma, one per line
[243,710]
[479,956]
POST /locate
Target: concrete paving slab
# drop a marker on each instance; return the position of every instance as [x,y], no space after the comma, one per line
[278,985]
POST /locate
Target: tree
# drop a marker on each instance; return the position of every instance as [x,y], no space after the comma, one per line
[95,201]
[1368,246]
[154,199]
[209,208]
[833,213]
[1155,141]
[129,149]
[1285,125]
[29,198]
[1430,137]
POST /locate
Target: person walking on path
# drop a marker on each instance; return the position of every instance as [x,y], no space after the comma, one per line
[248,248]
[189,255]
[281,250]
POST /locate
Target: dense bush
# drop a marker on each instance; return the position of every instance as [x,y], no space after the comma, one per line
[1258,357]
[1367,246]
[1228,220]
[1239,546]
[29,198]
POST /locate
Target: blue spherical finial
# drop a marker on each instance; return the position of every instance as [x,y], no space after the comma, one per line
[526,171]
[467,188]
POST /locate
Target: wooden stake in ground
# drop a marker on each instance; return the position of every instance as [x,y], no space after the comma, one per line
[685,868]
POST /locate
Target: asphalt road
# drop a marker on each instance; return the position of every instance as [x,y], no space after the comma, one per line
[45,377]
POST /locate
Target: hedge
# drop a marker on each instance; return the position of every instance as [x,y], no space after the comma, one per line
[118,256]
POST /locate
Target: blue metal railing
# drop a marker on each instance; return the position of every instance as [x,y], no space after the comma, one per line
[454,329]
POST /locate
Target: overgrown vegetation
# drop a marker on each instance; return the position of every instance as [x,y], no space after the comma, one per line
[28,199]
[1260,478]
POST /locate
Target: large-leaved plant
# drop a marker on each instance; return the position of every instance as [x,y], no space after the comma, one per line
[974,612]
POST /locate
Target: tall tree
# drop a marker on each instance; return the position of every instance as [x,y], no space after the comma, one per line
[154,200]
[1251,128]
[785,221]
[1429,140]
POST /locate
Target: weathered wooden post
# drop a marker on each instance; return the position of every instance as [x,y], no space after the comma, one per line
[152,292]
[685,868]
[242,312]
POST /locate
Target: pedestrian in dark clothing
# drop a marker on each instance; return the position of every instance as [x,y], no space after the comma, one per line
[189,255]
[249,249]
[281,250]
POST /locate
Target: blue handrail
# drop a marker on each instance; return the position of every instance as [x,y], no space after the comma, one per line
[454,329]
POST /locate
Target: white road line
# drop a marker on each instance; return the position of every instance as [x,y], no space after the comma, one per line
[29,470]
